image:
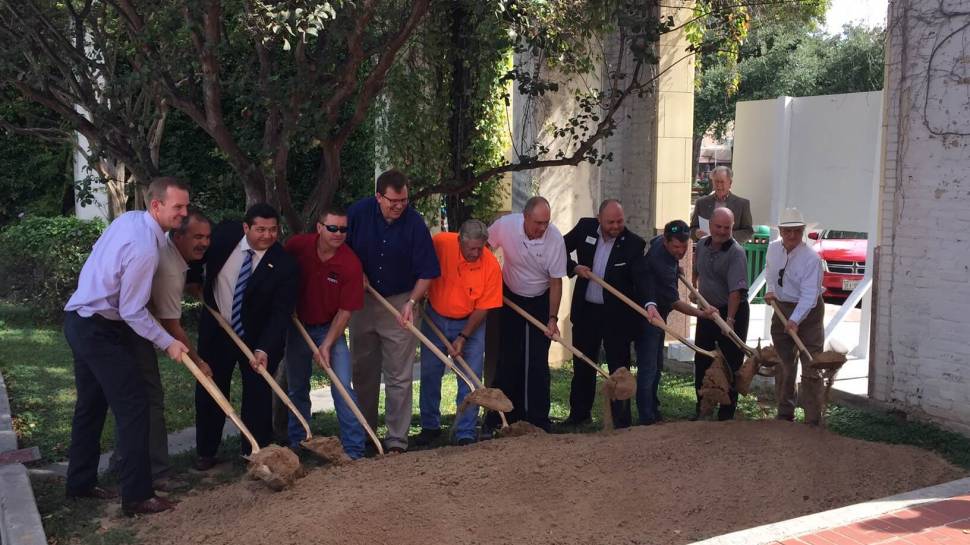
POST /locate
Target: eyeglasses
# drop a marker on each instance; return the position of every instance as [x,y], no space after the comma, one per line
[335,228]
[402,202]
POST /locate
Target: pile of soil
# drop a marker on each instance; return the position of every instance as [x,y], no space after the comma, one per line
[671,484]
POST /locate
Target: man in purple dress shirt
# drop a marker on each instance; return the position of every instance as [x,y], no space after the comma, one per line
[101,322]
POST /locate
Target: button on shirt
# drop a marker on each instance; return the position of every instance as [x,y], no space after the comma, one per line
[325,286]
[394,255]
[464,286]
[802,277]
[114,280]
[168,283]
[594,292]
[225,286]
[722,269]
[528,264]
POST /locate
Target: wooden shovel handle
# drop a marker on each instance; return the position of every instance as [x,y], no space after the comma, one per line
[461,360]
[261,370]
[725,328]
[556,338]
[340,388]
[220,399]
[424,340]
[643,312]
[792,334]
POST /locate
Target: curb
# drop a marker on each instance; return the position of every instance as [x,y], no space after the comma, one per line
[780,531]
[20,522]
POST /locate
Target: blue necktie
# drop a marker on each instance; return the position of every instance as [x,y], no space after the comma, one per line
[244,273]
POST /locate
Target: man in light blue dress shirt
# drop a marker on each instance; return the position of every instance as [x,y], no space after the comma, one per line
[101,322]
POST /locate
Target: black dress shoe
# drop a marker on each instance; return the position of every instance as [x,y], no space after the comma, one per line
[465,441]
[147,507]
[427,436]
[396,450]
[97,492]
[205,463]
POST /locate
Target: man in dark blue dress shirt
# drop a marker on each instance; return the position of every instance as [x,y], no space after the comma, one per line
[395,249]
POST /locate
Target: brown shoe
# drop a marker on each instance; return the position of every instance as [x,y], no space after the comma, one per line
[147,507]
[97,492]
[205,463]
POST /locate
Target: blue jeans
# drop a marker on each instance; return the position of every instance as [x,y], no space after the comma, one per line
[432,370]
[650,348]
[299,367]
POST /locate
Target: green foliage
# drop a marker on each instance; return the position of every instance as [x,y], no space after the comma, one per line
[43,258]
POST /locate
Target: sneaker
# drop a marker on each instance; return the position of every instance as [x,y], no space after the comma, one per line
[395,450]
[426,437]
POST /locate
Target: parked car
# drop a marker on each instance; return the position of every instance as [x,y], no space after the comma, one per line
[843,256]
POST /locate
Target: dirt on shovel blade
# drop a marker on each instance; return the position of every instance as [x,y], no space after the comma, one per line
[744,376]
[490,398]
[768,355]
[828,360]
[621,386]
[517,429]
[327,448]
[276,466]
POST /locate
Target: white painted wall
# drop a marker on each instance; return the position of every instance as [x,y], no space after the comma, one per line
[921,360]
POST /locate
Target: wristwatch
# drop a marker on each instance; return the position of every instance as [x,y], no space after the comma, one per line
[463,336]
[412,301]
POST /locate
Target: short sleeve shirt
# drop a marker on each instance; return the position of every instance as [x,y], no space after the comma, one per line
[528,264]
[325,287]
[394,255]
[721,269]
[464,286]
[168,284]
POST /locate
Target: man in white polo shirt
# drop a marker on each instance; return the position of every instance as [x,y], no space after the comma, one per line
[534,265]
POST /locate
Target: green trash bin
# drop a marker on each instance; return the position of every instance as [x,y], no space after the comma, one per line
[756,251]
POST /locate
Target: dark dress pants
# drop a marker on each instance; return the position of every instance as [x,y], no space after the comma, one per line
[708,336]
[592,330]
[107,376]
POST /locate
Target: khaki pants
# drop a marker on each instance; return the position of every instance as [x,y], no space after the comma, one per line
[812,333]
[379,344]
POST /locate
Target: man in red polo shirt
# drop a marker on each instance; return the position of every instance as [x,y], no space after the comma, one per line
[331,288]
[470,284]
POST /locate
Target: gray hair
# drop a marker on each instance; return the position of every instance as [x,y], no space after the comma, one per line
[473,230]
[534,202]
[725,170]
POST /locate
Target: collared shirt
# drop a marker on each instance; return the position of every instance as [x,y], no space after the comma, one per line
[325,287]
[802,281]
[114,280]
[663,268]
[722,269]
[464,286]
[168,283]
[225,286]
[394,255]
[528,264]
[594,292]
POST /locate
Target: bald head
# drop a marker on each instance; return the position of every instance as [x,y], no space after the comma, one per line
[722,225]
[611,218]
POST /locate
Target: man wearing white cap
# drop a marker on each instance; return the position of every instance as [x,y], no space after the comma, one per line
[794,276]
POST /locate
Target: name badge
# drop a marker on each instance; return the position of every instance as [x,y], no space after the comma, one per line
[591,240]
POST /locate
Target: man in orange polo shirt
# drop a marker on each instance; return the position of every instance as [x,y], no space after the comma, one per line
[470,284]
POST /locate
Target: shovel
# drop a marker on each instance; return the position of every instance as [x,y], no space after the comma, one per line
[327,448]
[481,391]
[620,385]
[340,388]
[495,405]
[725,328]
[277,467]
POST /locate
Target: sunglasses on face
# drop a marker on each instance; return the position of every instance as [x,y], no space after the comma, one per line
[335,228]
[781,277]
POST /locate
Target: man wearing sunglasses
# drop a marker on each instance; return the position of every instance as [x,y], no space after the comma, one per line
[395,249]
[794,276]
[331,288]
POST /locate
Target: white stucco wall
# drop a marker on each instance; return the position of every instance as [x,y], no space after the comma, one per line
[921,360]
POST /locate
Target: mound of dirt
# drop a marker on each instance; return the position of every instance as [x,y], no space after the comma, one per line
[671,484]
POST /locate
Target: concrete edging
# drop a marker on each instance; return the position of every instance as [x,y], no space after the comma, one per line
[20,522]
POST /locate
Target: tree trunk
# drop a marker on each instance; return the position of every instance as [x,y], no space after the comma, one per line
[696,163]
[460,122]
[328,177]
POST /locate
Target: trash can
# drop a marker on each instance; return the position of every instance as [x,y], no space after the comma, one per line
[756,251]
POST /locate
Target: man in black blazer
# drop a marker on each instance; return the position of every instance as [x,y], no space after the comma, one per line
[605,247]
[252,282]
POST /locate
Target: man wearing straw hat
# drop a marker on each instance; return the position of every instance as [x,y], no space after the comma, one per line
[720,274]
[458,302]
[605,247]
[534,263]
[394,246]
[331,288]
[794,277]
